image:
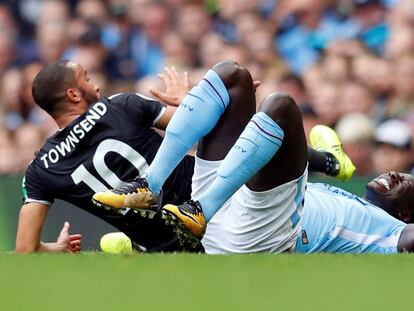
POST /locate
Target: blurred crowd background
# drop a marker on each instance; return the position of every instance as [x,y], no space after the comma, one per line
[348,64]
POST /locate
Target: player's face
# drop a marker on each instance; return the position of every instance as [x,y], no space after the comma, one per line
[89,90]
[394,192]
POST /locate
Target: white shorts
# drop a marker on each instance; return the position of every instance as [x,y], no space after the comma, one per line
[251,222]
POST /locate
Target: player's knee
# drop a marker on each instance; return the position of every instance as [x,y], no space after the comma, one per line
[233,74]
[279,106]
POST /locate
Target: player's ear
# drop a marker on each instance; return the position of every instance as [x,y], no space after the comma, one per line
[74,95]
[405,215]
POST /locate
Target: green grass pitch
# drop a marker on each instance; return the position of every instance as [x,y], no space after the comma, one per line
[93,281]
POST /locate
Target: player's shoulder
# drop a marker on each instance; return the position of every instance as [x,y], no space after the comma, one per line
[36,166]
[322,190]
[122,98]
[137,107]
[34,173]
[37,183]
[324,187]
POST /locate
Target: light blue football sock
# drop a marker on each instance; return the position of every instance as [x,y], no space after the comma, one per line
[195,117]
[255,147]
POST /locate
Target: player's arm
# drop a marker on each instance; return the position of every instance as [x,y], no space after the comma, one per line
[30,224]
[31,219]
[176,88]
[162,123]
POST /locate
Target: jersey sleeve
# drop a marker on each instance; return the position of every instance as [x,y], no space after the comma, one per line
[33,189]
[140,108]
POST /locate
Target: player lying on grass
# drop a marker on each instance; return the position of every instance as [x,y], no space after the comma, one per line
[336,221]
[103,142]
[249,180]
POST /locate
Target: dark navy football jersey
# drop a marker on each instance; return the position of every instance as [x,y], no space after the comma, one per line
[111,143]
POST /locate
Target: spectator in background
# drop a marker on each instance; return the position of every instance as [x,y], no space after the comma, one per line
[293,85]
[210,49]
[193,23]
[28,139]
[394,149]
[370,17]
[375,73]
[7,52]
[402,101]
[356,131]
[116,38]
[356,98]
[326,103]
[51,42]
[400,42]
[336,67]
[16,47]
[94,11]
[146,52]
[17,99]
[10,86]
[51,30]
[9,162]
[8,39]
[144,85]
[87,48]
[177,52]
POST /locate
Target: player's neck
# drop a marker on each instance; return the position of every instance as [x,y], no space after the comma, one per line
[65,119]
[70,113]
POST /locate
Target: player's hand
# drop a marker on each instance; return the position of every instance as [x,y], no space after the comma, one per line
[69,242]
[176,87]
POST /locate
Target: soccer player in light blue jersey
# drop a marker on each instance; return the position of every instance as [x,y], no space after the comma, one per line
[336,221]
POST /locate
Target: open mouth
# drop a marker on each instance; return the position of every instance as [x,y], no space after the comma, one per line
[384,183]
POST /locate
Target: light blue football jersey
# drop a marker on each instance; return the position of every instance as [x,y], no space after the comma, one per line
[337,221]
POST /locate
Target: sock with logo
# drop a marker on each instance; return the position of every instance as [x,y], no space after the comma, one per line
[195,117]
[255,147]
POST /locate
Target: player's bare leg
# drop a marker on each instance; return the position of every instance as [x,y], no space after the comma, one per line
[290,161]
[270,151]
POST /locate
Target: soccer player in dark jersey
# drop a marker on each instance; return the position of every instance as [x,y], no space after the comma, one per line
[101,143]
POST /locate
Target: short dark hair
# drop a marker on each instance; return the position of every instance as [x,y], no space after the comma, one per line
[50,84]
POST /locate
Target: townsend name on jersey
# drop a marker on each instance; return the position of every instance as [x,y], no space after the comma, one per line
[75,135]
